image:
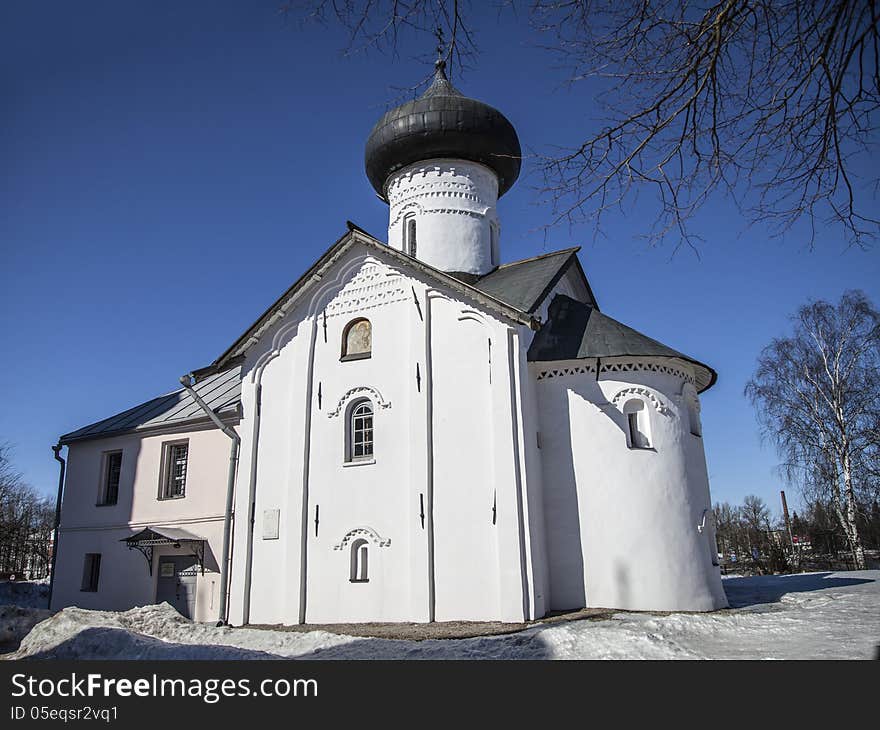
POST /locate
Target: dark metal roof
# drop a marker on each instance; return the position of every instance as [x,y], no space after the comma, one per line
[575,331]
[442,122]
[221,391]
[524,284]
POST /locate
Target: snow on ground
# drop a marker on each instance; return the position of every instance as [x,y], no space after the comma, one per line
[22,605]
[16,622]
[25,593]
[805,616]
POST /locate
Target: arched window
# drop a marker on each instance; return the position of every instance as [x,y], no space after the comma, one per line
[693,412]
[638,432]
[360,431]
[494,252]
[357,340]
[359,562]
[409,235]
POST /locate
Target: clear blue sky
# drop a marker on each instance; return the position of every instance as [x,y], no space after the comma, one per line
[169,168]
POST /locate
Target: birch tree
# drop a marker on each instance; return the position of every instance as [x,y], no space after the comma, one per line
[817,397]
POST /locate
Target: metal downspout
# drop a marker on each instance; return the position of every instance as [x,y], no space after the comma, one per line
[252,492]
[186,381]
[60,459]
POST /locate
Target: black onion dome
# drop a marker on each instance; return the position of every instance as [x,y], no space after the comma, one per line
[442,122]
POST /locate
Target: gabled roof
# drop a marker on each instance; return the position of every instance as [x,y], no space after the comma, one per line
[221,391]
[524,284]
[575,331]
[315,273]
[515,290]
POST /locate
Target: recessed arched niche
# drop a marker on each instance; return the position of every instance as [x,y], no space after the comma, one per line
[357,340]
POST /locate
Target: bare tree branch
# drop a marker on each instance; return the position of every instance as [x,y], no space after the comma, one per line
[770,103]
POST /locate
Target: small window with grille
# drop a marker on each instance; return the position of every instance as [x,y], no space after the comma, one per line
[360,431]
[110,472]
[174,465]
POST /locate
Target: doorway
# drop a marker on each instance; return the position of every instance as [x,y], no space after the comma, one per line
[176,583]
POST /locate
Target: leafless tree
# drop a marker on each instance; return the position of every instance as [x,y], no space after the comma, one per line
[771,102]
[729,531]
[817,396]
[379,24]
[755,513]
[26,521]
[746,532]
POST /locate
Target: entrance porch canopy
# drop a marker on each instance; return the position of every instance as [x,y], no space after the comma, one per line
[150,537]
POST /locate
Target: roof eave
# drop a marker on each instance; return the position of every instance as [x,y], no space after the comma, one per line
[316,272]
[227,415]
[235,349]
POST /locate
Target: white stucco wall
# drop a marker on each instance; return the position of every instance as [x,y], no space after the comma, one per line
[125,580]
[454,205]
[442,428]
[498,490]
[623,523]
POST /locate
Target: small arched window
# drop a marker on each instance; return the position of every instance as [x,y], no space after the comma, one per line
[409,235]
[693,412]
[360,431]
[493,244]
[360,553]
[357,340]
[638,432]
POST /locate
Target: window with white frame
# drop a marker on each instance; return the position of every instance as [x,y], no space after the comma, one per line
[111,469]
[175,459]
[638,430]
[91,572]
[360,431]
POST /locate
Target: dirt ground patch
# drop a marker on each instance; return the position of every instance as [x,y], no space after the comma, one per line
[438,629]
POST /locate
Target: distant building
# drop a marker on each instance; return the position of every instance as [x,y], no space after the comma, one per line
[427,433]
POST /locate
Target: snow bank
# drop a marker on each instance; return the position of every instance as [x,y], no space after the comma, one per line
[27,593]
[159,632]
[23,604]
[808,616]
[16,622]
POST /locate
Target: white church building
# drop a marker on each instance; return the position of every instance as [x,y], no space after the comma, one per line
[414,431]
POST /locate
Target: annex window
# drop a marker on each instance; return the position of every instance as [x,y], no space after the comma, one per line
[638,432]
[111,469]
[409,235]
[91,572]
[360,431]
[174,466]
[357,340]
[359,562]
